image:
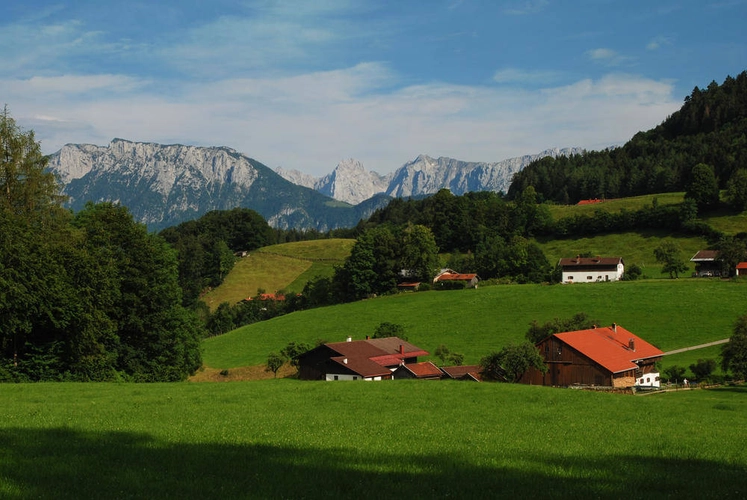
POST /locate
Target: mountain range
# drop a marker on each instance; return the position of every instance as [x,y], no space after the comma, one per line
[163,185]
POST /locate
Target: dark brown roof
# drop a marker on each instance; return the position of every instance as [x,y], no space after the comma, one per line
[590,261]
[705,256]
[462,371]
[371,357]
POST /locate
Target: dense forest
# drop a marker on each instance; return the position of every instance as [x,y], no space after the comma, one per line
[710,128]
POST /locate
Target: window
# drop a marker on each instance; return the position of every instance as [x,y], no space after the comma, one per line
[570,278]
[336,378]
[590,278]
[355,378]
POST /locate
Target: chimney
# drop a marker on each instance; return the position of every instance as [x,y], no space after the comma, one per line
[345,360]
[401,349]
[368,337]
[350,339]
[614,327]
[631,344]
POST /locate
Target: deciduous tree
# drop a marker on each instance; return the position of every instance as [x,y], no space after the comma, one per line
[734,353]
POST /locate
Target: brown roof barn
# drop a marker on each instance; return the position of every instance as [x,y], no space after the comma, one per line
[608,356]
[370,359]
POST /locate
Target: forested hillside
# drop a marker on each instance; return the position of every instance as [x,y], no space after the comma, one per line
[710,129]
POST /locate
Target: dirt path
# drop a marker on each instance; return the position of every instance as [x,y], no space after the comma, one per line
[701,346]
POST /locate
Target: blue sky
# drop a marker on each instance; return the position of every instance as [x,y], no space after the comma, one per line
[306,84]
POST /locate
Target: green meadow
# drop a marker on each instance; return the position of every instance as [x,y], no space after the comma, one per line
[413,439]
[671,314]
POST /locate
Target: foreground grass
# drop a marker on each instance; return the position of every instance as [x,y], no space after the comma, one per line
[668,313]
[290,439]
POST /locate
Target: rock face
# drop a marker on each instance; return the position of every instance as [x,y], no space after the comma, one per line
[163,185]
[350,182]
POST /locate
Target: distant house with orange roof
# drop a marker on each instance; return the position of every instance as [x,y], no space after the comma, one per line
[742,269]
[370,359]
[470,280]
[603,356]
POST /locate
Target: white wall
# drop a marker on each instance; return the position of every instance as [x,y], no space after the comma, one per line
[648,380]
[592,276]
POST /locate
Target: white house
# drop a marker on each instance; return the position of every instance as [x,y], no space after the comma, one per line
[591,269]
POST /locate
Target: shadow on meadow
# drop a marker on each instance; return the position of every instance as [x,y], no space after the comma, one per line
[64,463]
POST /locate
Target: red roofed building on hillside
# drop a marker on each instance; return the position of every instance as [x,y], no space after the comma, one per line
[370,359]
[470,280]
[608,356]
[742,269]
[591,269]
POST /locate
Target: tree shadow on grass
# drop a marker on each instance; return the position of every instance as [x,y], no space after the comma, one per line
[63,463]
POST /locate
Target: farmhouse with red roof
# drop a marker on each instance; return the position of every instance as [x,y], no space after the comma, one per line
[370,359]
[470,280]
[591,269]
[742,269]
[608,356]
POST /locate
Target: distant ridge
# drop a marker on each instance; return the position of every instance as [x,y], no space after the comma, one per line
[352,183]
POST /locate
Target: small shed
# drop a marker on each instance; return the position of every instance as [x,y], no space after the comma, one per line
[741,269]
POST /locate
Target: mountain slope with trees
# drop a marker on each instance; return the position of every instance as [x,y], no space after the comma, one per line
[710,128]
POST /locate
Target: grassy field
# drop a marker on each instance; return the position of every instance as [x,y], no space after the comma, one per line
[615,205]
[284,267]
[293,439]
[634,248]
[668,313]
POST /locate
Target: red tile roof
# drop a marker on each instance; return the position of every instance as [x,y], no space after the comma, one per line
[424,369]
[590,201]
[742,265]
[610,347]
[456,277]
[370,357]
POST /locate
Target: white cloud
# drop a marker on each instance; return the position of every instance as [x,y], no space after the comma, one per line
[658,42]
[310,122]
[608,57]
[513,75]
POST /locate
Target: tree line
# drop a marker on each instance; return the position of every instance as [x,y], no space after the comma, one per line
[89,296]
[710,129]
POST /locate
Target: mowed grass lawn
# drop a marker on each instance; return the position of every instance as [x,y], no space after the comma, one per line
[670,314]
[412,439]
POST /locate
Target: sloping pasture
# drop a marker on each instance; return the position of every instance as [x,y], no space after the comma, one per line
[670,314]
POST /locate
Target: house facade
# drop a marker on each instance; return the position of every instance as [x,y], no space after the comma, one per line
[603,356]
[707,263]
[591,269]
[741,269]
[370,359]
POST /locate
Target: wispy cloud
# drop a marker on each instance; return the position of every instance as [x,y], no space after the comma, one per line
[526,7]
[658,42]
[517,76]
[608,57]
